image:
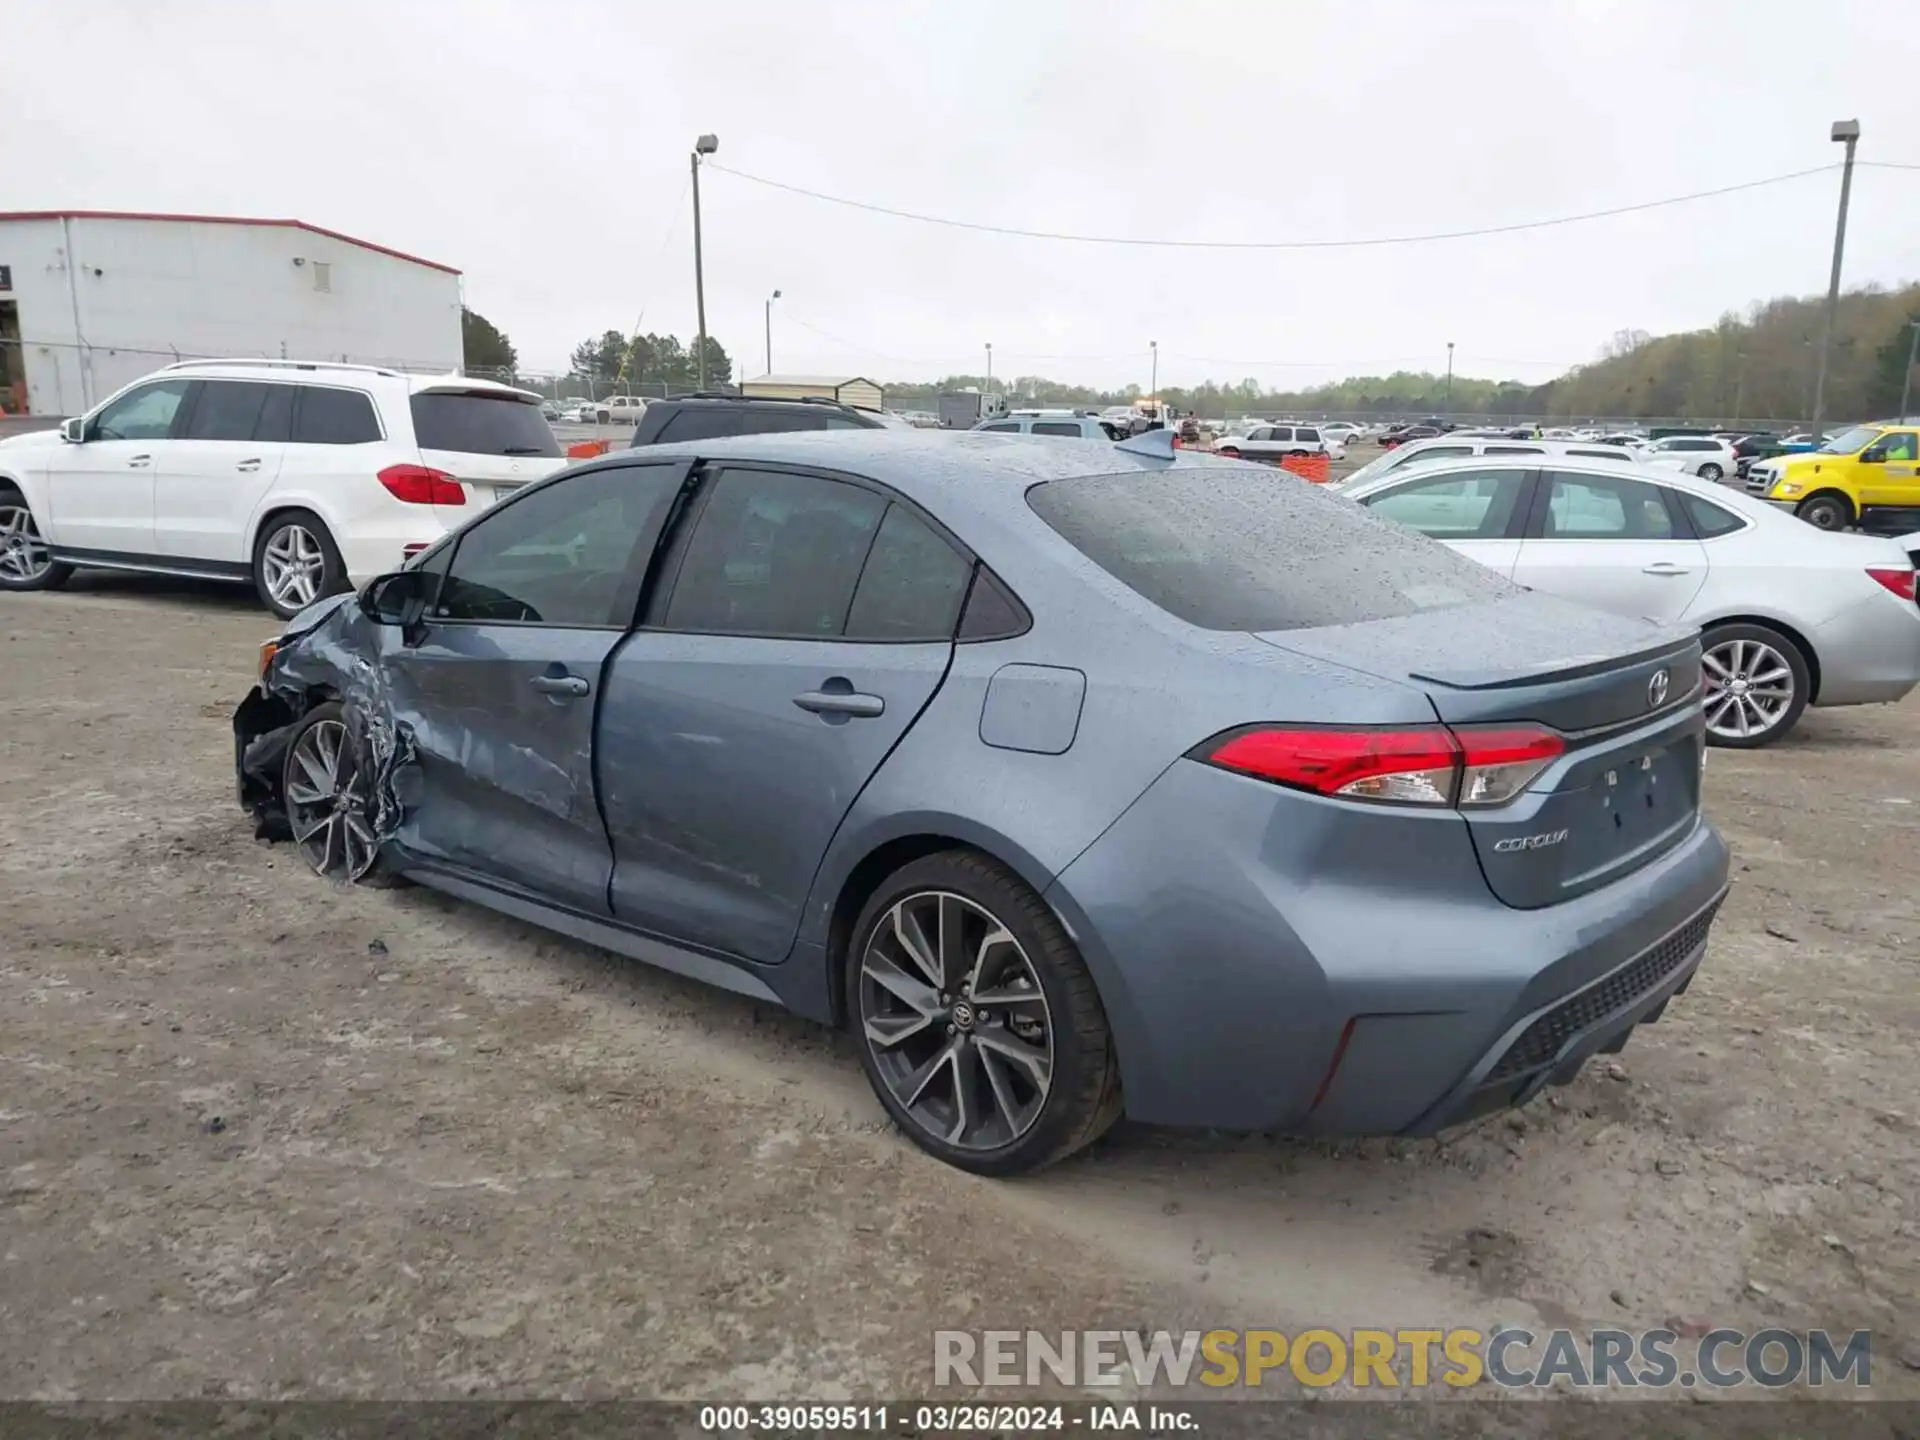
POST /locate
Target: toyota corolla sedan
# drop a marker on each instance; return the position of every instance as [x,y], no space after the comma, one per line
[1077,780]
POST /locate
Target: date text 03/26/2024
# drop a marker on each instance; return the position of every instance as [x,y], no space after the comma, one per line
[744,1420]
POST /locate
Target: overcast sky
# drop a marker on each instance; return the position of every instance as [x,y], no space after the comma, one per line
[543,149]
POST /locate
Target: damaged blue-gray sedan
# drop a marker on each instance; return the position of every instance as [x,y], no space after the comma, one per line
[1076,780]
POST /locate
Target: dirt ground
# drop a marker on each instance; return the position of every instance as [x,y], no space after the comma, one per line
[263,1137]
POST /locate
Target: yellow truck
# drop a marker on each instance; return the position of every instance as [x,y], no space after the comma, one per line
[1867,476]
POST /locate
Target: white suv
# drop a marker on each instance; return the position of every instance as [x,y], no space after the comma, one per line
[1271,442]
[303,478]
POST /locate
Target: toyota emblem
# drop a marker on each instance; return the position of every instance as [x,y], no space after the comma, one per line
[1657,690]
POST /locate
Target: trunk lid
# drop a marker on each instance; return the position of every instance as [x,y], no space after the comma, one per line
[1623,694]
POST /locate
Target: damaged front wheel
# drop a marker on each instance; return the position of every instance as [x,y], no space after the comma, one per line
[326,797]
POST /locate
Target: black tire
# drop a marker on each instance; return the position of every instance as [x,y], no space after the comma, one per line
[1298,454]
[18,531]
[377,873]
[1711,471]
[1826,511]
[1229,451]
[1082,1098]
[331,577]
[1801,678]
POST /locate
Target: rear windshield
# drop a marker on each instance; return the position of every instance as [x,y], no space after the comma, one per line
[1227,550]
[476,423]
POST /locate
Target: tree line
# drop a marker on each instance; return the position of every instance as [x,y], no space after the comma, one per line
[1756,366]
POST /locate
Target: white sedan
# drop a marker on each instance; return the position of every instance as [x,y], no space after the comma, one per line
[1791,616]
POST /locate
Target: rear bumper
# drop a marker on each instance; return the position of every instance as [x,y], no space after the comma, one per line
[1272,966]
[375,547]
[1869,654]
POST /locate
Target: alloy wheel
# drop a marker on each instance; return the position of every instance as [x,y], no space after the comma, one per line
[1749,688]
[24,556]
[293,564]
[326,806]
[955,1020]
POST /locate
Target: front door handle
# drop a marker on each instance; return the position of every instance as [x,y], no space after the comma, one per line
[1663,568]
[842,702]
[139,462]
[248,465]
[560,684]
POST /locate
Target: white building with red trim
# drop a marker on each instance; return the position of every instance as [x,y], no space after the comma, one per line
[91,299]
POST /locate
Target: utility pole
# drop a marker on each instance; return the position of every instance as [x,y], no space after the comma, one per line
[770,300]
[989,367]
[1906,381]
[705,145]
[1845,132]
[1154,390]
[1449,379]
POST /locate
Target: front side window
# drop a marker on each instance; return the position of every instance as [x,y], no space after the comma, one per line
[1851,442]
[1223,550]
[1474,505]
[1900,447]
[773,553]
[1594,507]
[1000,429]
[1437,452]
[327,416]
[143,414]
[562,554]
[1514,450]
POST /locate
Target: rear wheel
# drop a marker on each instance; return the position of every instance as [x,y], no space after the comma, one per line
[295,563]
[1826,512]
[1711,471]
[1757,683]
[979,1026]
[1230,451]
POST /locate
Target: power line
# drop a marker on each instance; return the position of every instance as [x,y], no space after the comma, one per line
[1362,243]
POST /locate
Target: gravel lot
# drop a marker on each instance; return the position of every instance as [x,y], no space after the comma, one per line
[263,1137]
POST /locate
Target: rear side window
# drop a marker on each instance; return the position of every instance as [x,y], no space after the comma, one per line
[334,417]
[912,585]
[1438,452]
[1595,507]
[1708,518]
[1514,450]
[1054,427]
[999,429]
[1596,454]
[1307,433]
[1227,551]
[774,553]
[227,410]
[478,423]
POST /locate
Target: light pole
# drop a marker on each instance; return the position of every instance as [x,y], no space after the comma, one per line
[1906,381]
[1845,132]
[1153,388]
[1449,379]
[770,299]
[705,145]
[989,367]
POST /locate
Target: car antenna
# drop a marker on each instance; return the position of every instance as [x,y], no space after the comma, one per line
[1154,444]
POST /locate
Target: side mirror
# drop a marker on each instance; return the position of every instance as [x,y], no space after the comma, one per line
[397,598]
[74,431]
[1874,455]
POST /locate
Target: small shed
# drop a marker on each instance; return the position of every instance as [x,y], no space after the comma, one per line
[847,389]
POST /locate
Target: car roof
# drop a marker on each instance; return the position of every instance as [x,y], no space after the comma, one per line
[928,464]
[329,372]
[1580,465]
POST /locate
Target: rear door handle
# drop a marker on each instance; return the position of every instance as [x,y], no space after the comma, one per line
[560,684]
[139,462]
[829,702]
[1663,568]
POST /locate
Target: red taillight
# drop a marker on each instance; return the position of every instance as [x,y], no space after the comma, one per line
[1900,582]
[1431,765]
[418,485]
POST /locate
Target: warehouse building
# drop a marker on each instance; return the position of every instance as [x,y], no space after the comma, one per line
[847,389]
[91,300]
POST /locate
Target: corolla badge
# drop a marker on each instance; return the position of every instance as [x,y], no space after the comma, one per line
[1657,689]
[1529,842]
